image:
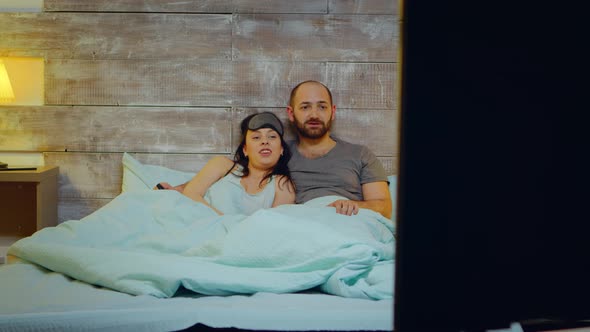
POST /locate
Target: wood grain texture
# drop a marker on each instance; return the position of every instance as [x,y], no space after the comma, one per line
[268,84]
[213,83]
[170,81]
[382,7]
[361,38]
[139,82]
[180,162]
[374,128]
[377,129]
[100,175]
[363,85]
[280,6]
[87,175]
[202,6]
[116,36]
[390,164]
[162,6]
[115,129]
[174,83]
[76,209]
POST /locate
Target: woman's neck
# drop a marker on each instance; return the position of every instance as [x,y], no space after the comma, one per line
[253,182]
[257,173]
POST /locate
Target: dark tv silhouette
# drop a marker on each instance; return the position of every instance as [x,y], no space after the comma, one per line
[492,206]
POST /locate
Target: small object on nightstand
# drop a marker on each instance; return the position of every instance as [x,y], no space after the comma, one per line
[3,165]
[18,168]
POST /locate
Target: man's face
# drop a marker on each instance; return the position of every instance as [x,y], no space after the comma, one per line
[311,112]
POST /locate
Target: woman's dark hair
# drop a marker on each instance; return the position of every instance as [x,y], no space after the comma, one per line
[280,168]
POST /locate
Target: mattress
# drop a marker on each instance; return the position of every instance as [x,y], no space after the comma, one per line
[35,299]
[156,261]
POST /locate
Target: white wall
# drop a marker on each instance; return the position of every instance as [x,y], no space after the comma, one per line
[21,5]
[22,158]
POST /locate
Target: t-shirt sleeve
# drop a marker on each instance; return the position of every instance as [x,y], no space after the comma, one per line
[372,170]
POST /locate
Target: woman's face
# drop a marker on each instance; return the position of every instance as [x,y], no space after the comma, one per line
[263,148]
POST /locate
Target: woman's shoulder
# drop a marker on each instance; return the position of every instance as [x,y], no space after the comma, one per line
[218,166]
[221,161]
[284,191]
[282,183]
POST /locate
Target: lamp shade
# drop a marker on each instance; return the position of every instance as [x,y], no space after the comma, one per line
[6,92]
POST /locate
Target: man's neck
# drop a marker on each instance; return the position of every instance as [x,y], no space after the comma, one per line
[315,147]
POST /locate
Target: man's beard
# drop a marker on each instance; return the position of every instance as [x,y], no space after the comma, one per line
[315,132]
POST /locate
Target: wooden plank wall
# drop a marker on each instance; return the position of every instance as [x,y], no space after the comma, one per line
[169,81]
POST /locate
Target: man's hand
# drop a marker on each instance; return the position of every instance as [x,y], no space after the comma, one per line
[345,206]
[168,186]
[376,198]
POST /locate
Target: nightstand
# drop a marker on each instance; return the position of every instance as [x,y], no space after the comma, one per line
[28,202]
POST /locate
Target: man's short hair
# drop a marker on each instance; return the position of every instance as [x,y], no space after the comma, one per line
[294,91]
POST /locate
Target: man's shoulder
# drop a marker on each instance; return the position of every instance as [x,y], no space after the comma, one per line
[350,146]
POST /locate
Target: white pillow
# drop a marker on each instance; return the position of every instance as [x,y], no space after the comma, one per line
[138,177]
[393,192]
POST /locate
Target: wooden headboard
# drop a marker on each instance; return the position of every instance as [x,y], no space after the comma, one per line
[170,81]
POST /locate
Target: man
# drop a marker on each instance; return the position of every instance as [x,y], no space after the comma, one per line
[323,165]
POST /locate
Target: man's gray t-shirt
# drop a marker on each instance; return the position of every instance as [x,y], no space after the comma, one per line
[340,172]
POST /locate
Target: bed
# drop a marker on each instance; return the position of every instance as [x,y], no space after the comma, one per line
[156,261]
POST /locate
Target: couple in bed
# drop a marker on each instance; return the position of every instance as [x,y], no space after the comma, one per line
[267,171]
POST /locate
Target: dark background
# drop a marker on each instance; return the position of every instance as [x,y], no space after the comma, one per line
[493,173]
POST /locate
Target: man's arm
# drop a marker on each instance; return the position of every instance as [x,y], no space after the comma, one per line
[376,197]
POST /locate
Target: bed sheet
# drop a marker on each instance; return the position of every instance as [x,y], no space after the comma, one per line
[152,243]
[35,299]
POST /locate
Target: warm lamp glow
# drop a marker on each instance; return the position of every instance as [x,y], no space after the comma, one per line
[6,93]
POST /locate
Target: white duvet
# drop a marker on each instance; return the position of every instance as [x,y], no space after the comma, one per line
[159,242]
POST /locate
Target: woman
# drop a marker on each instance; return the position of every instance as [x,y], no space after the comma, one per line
[257,177]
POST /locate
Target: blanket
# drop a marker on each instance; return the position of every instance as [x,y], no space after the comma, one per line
[159,242]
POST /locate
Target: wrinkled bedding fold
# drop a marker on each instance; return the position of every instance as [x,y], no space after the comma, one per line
[158,242]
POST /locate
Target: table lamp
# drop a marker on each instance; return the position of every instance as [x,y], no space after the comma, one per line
[6,92]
